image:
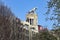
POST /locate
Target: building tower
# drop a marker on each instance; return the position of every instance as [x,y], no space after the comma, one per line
[31,18]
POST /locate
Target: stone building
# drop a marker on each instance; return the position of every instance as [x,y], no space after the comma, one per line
[30,26]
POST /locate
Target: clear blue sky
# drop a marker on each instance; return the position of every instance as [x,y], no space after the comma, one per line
[21,7]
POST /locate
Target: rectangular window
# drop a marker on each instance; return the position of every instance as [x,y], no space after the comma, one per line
[31,21]
[27,20]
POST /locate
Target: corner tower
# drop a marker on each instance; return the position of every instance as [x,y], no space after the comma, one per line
[32,18]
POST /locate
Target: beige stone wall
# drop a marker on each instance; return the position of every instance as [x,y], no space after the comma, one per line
[32,16]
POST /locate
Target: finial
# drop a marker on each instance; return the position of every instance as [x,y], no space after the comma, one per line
[33,10]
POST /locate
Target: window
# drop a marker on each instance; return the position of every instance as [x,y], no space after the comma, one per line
[31,21]
[27,20]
